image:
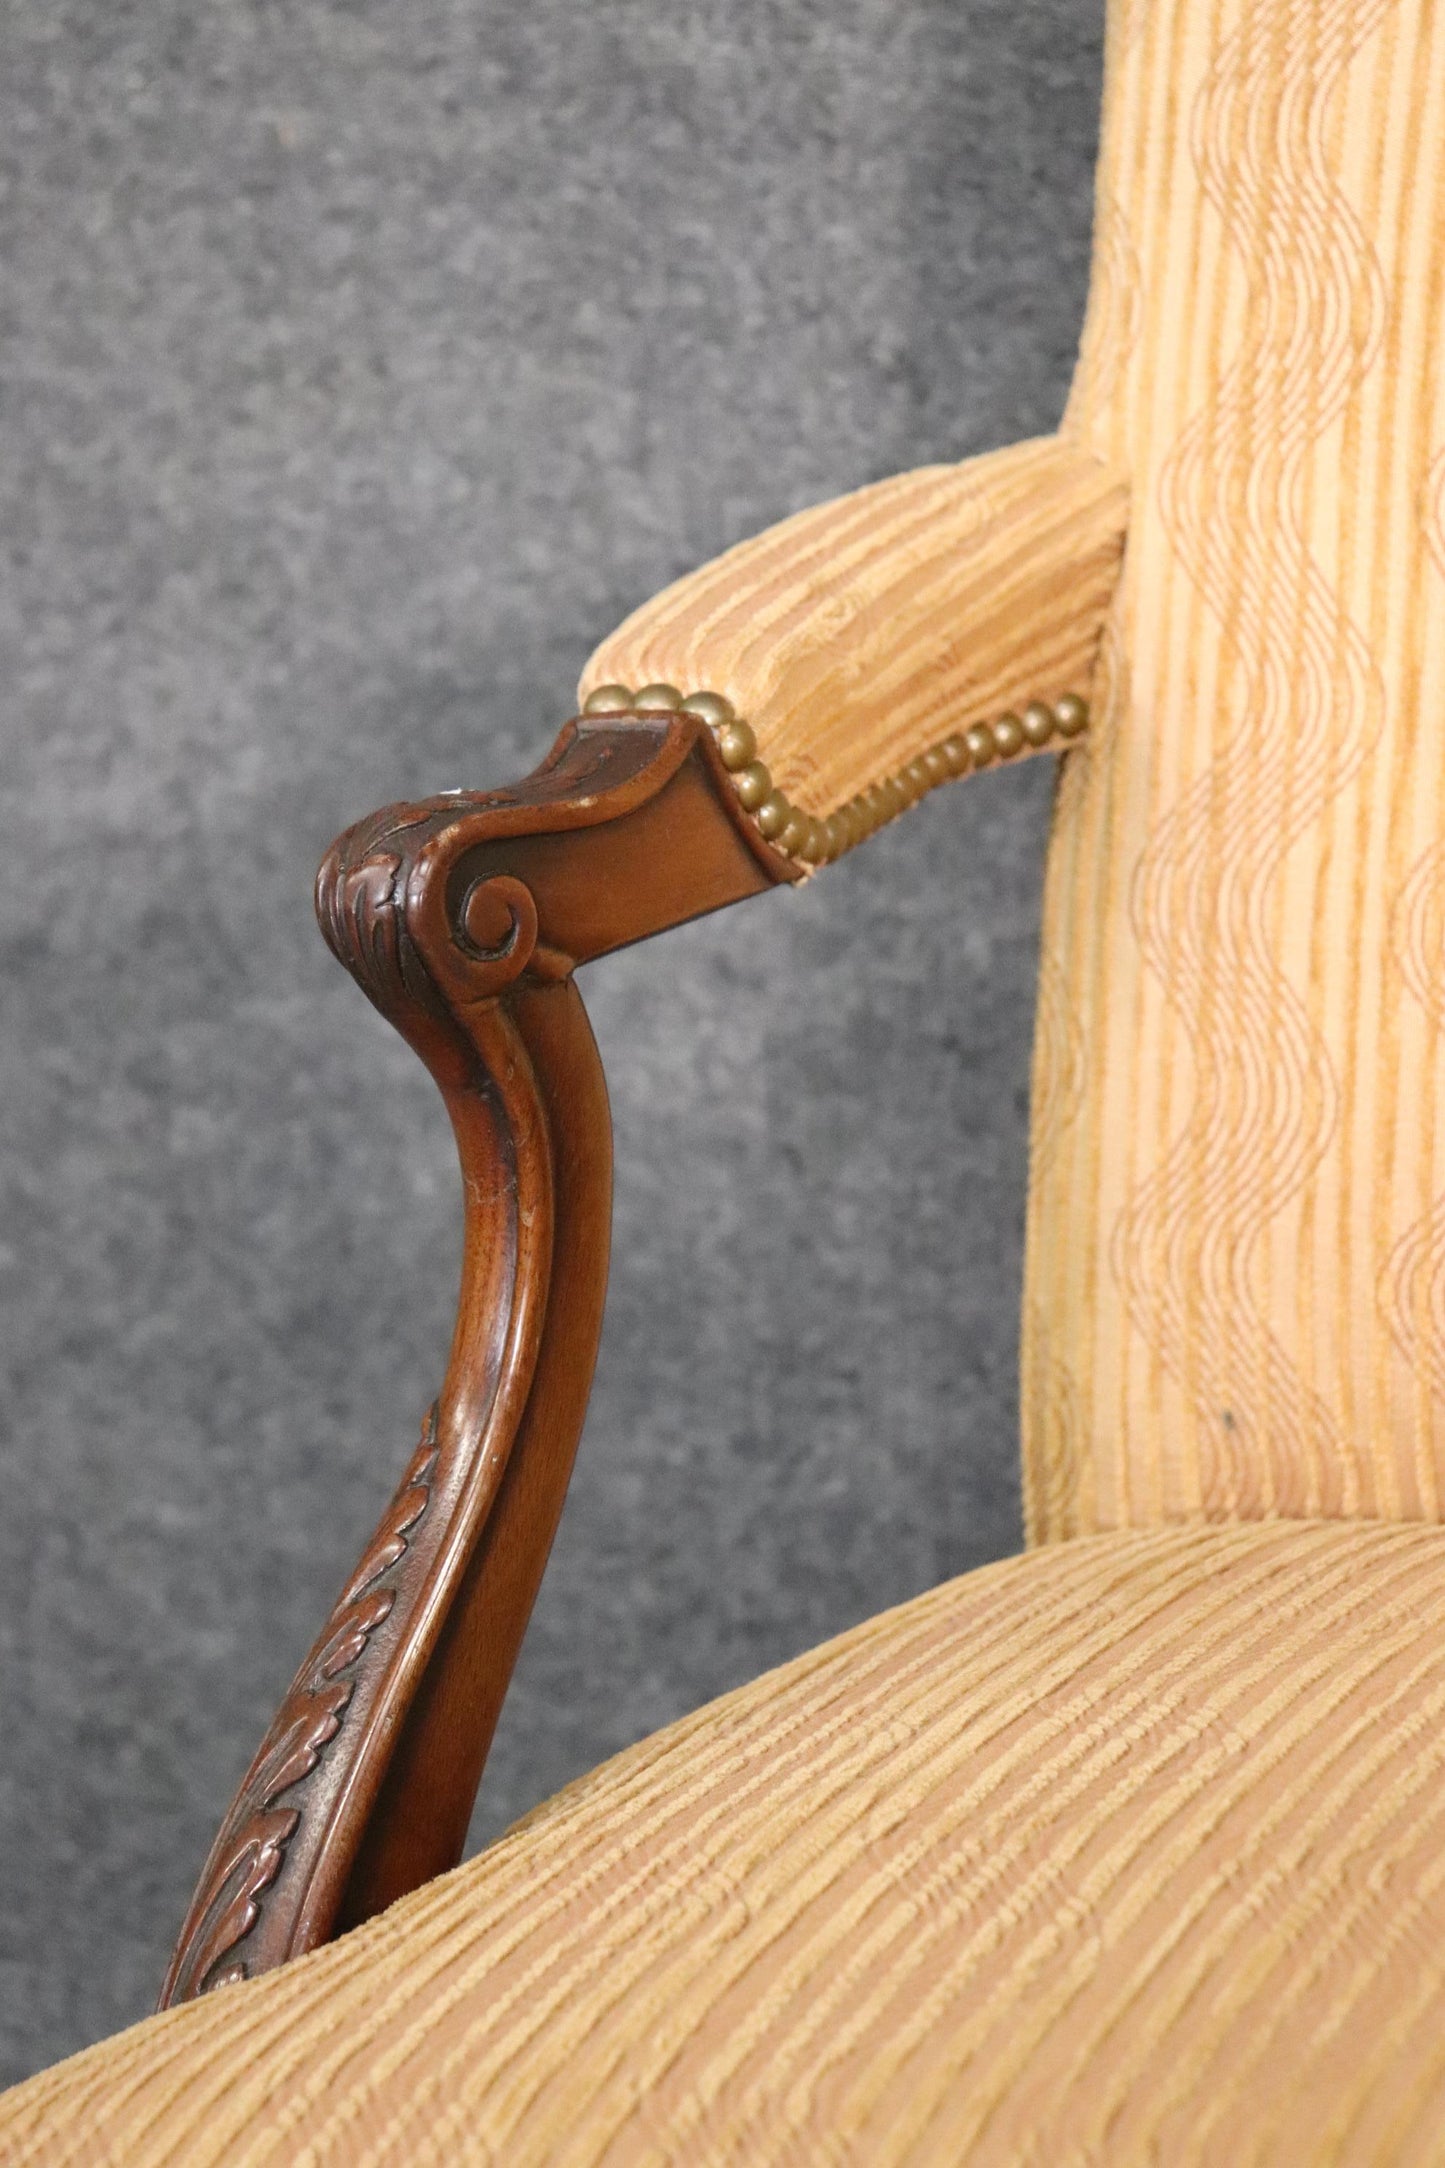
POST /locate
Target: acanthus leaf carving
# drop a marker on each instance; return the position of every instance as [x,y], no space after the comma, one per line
[250,1850]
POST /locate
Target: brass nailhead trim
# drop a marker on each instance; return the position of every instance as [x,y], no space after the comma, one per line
[802,836]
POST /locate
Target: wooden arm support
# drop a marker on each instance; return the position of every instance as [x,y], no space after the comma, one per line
[463,918]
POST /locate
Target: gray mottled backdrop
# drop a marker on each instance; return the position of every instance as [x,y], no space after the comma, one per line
[363,364]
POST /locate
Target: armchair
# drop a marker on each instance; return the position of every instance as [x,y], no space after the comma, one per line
[1128,1849]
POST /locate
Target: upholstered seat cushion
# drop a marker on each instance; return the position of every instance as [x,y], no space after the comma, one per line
[1131,1849]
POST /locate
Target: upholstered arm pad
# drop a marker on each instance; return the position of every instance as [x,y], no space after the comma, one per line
[862,634]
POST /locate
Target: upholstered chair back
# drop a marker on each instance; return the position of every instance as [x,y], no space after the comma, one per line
[1236,1286]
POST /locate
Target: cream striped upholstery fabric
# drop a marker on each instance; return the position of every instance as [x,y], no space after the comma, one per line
[1237,1242]
[1130,1850]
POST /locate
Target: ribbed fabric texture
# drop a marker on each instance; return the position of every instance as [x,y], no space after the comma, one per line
[1131,1850]
[860,633]
[1237,1229]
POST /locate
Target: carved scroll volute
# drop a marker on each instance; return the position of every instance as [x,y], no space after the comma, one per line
[462,919]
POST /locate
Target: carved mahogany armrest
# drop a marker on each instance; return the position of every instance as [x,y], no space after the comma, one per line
[463,918]
[835,648]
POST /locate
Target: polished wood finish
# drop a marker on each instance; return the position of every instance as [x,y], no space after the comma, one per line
[463,918]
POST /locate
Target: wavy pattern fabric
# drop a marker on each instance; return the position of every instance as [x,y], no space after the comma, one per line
[1301,697]
[1129,1851]
[1412,1286]
[1250,1161]
[1411,1291]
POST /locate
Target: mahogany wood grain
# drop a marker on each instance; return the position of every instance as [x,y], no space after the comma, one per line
[463,918]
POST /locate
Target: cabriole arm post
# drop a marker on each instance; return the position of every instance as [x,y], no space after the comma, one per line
[462,918]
